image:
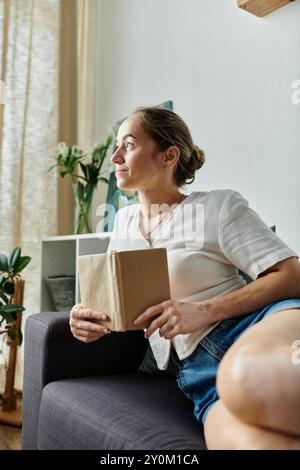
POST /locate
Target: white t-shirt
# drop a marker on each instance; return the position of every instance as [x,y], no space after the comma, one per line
[209,235]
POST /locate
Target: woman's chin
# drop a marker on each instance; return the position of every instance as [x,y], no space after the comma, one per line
[122,185]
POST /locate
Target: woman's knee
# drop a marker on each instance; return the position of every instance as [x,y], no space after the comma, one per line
[238,383]
[224,431]
[258,383]
[217,432]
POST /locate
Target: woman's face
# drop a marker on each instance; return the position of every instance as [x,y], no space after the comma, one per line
[136,159]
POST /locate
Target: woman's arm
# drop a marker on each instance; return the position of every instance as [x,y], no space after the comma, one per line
[281,281]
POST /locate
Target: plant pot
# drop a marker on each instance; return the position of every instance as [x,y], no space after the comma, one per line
[62,290]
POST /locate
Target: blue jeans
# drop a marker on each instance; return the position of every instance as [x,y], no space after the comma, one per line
[196,375]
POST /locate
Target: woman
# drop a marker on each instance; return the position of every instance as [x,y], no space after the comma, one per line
[232,343]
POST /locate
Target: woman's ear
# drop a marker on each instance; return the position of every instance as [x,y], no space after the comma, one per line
[171,156]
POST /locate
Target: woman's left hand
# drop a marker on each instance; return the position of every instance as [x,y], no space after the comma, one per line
[174,318]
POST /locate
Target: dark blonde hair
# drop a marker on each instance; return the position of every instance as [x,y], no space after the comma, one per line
[166,128]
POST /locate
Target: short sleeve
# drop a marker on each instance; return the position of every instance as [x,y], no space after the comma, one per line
[245,240]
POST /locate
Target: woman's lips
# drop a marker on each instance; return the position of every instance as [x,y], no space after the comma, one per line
[120,171]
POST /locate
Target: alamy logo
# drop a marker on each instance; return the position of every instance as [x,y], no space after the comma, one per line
[2,92]
[296,94]
[187,227]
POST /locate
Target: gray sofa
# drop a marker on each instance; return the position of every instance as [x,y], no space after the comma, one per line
[89,396]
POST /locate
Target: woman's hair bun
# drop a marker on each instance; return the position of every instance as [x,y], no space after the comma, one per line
[189,167]
[197,157]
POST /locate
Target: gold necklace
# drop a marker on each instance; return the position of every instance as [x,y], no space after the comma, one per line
[163,218]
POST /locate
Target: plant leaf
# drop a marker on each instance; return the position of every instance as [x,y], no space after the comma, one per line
[11,308]
[2,279]
[13,258]
[3,263]
[83,168]
[105,180]
[21,264]
[51,168]
[7,317]
[109,140]
[4,297]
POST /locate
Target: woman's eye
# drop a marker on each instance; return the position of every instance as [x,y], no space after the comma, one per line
[129,144]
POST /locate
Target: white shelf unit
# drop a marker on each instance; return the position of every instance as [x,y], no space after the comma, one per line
[60,257]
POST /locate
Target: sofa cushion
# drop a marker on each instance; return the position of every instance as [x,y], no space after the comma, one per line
[117,412]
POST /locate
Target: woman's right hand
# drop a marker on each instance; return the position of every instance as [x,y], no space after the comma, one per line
[84,324]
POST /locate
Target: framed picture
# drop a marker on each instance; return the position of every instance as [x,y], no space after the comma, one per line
[117,198]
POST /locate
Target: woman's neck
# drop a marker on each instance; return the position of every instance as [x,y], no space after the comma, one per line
[151,200]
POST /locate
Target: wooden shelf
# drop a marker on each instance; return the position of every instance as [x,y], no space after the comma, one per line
[262,7]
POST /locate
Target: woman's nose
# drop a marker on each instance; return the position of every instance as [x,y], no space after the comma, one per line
[116,156]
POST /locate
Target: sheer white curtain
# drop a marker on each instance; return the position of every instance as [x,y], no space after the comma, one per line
[88,18]
[29,44]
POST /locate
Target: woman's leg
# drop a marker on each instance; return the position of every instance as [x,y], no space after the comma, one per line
[257,381]
[224,431]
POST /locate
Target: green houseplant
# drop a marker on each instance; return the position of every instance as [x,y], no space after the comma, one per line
[11,300]
[85,172]
[10,277]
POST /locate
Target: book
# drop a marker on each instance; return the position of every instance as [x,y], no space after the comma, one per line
[123,284]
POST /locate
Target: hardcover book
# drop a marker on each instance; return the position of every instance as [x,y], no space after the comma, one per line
[123,284]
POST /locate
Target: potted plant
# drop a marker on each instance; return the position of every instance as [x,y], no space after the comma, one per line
[10,269]
[70,161]
[11,300]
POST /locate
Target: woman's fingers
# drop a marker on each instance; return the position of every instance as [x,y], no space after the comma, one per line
[157,323]
[84,324]
[91,334]
[88,314]
[172,332]
[168,326]
[86,339]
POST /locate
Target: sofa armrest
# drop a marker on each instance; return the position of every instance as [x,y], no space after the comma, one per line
[52,353]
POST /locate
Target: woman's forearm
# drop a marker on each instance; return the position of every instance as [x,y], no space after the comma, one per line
[273,286]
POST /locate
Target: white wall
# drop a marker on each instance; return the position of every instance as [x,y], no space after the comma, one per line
[230,76]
